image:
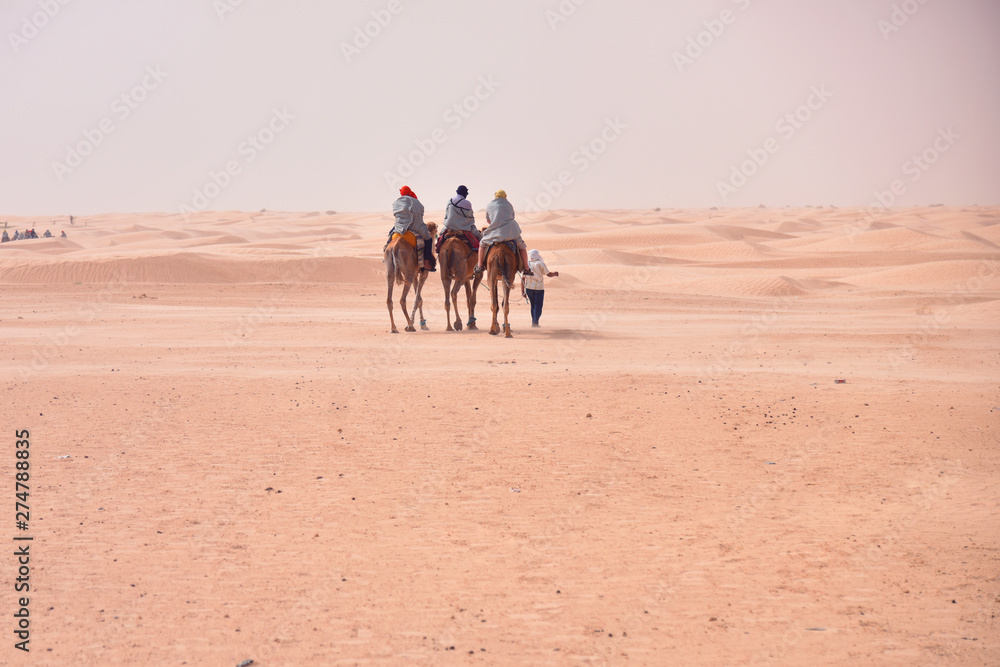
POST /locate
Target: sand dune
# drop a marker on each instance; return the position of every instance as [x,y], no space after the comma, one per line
[187,267]
[945,276]
[738,233]
[224,239]
[801,226]
[985,234]
[788,252]
[739,437]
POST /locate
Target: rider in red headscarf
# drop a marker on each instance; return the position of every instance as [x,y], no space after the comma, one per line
[409,213]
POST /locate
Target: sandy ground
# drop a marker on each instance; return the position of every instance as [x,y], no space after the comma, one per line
[232,459]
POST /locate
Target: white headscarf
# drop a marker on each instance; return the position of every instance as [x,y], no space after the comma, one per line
[534,256]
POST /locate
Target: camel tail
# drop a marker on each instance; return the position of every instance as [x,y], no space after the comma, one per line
[456,265]
[390,265]
[503,273]
[444,263]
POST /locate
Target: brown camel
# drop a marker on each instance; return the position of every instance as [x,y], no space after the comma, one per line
[402,267]
[457,263]
[501,263]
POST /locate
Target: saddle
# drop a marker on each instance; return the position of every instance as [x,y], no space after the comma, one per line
[409,237]
[513,248]
[468,237]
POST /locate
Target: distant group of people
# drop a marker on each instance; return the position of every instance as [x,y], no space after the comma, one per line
[501,226]
[26,234]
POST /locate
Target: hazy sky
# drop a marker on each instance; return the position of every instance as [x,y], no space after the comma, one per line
[134,105]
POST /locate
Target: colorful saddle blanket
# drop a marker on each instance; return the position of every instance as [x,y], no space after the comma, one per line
[409,237]
[468,237]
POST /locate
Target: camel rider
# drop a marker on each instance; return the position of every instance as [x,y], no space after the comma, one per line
[458,216]
[501,227]
[409,214]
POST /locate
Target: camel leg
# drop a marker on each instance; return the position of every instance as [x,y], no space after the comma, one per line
[423,318]
[506,310]
[469,304]
[454,301]
[446,282]
[494,327]
[390,278]
[418,304]
[473,299]
[406,312]
[418,299]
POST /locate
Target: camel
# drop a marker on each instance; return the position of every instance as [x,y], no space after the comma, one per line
[402,267]
[501,262]
[457,263]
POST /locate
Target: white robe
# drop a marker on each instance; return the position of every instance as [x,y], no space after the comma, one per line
[409,214]
[503,226]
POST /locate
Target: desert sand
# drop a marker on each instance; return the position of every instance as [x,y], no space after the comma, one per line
[232,458]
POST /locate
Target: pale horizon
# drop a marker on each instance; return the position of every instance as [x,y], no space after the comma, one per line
[214,106]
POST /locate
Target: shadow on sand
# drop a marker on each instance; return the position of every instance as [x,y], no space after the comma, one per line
[564,334]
